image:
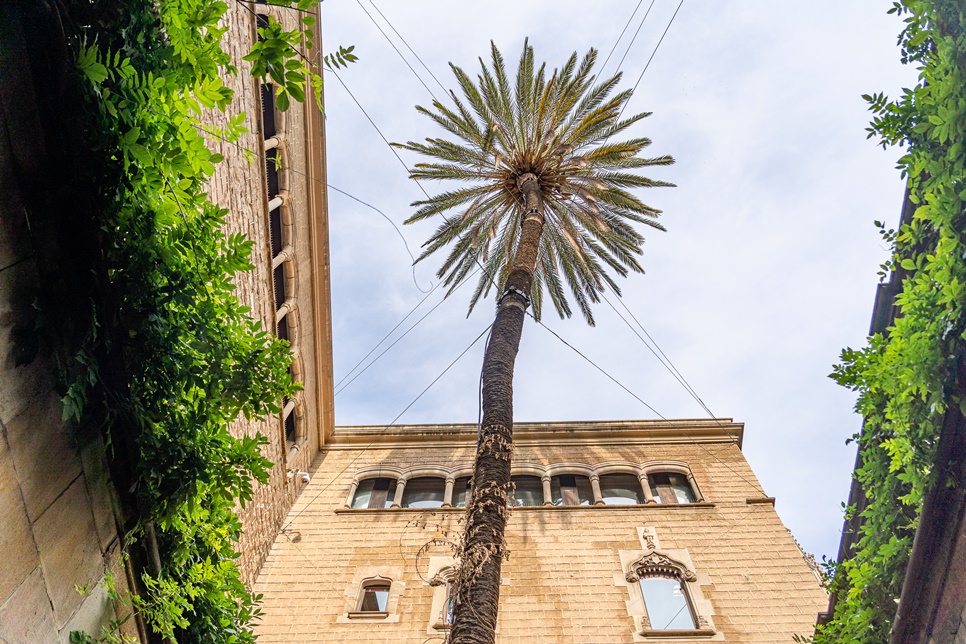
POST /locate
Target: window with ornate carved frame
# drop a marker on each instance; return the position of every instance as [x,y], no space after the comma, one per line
[444,585]
[668,564]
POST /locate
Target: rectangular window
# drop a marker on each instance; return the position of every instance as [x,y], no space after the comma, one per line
[375,598]
[666,604]
[461,492]
[374,493]
[670,487]
[528,491]
[570,489]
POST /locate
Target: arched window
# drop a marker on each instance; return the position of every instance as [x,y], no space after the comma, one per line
[528,491]
[374,597]
[621,489]
[671,488]
[665,583]
[374,493]
[444,597]
[666,602]
[571,489]
[424,492]
[461,492]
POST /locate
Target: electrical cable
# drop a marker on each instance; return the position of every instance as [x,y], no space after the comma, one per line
[445,91]
[385,427]
[627,51]
[757,488]
[663,360]
[626,25]
[648,64]
[391,44]
[398,232]
[397,340]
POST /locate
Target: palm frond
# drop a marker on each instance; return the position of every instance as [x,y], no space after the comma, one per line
[563,126]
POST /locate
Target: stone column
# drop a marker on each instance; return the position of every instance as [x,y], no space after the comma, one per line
[397,500]
[547,494]
[648,497]
[448,494]
[595,486]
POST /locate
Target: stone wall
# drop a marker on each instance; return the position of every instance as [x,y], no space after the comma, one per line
[239,185]
[57,529]
[564,580]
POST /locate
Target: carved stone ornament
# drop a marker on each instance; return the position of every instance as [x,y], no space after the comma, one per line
[444,575]
[654,563]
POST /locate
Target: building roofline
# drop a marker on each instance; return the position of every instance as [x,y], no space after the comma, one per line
[715,430]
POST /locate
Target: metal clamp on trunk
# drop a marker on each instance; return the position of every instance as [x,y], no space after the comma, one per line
[511,289]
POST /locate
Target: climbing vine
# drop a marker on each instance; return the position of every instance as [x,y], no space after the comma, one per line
[906,378]
[170,357]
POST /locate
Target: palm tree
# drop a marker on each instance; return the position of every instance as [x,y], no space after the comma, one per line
[543,202]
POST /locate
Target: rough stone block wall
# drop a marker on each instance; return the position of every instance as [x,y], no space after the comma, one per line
[564,580]
[57,529]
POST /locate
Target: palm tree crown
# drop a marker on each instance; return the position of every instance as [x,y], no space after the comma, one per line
[559,129]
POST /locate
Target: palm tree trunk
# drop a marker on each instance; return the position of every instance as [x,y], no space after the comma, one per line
[483,548]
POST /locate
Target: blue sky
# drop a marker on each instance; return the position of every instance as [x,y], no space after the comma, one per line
[768,268]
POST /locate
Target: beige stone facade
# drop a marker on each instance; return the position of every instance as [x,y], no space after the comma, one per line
[572,574]
[289,146]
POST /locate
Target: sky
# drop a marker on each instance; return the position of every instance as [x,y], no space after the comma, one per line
[767,270]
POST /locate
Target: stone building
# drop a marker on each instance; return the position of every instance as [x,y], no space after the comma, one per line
[273,184]
[620,531]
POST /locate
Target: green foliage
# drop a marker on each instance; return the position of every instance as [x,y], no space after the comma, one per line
[559,126]
[171,356]
[906,379]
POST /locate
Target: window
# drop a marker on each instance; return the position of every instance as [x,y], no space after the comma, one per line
[621,489]
[528,491]
[666,596]
[671,488]
[374,597]
[667,604]
[450,608]
[570,489]
[424,492]
[374,493]
[461,492]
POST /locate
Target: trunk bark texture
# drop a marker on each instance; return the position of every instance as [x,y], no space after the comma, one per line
[478,586]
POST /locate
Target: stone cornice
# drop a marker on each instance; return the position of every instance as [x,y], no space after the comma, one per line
[716,430]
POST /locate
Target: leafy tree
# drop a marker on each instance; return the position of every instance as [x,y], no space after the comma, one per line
[544,204]
[908,379]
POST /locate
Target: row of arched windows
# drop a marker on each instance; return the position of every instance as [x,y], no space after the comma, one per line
[655,483]
[281,233]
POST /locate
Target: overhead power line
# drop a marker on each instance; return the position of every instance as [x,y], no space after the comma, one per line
[627,51]
[626,25]
[385,427]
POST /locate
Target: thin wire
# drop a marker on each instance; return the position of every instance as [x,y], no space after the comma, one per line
[381,135]
[627,51]
[445,91]
[391,44]
[667,361]
[596,366]
[656,47]
[663,360]
[398,232]
[393,422]
[638,398]
[626,25]
[386,337]
[397,340]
